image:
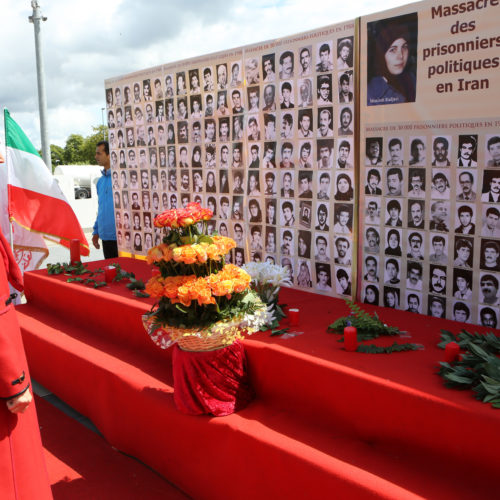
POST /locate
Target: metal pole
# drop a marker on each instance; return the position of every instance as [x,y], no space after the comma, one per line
[36,18]
[103,130]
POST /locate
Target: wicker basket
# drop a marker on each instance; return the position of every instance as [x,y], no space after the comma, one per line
[188,340]
[194,343]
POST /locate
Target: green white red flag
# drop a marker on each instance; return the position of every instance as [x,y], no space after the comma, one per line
[35,200]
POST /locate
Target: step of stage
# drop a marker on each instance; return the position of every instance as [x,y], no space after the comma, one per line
[274,447]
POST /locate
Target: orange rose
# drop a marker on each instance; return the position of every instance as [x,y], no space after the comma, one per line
[213,252]
[155,286]
[155,254]
[223,287]
[188,254]
[177,254]
[201,253]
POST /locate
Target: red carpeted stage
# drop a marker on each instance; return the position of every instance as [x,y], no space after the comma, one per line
[325,422]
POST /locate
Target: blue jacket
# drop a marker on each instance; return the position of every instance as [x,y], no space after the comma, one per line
[105,223]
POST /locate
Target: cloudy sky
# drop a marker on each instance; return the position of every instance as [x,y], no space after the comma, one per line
[86,41]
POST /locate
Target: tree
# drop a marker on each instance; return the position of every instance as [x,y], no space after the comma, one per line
[57,155]
[90,143]
[73,150]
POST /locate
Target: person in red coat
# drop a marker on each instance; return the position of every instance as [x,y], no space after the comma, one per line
[23,474]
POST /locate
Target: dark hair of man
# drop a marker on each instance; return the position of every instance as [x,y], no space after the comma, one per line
[415,266]
[467,139]
[493,140]
[395,171]
[462,273]
[105,144]
[462,243]
[412,235]
[342,273]
[394,262]
[465,209]
[441,140]
[269,118]
[394,204]
[489,277]
[460,306]
[342,239]
[324,48]
[285,55]
[345,144]
[395,141]
[413,296]
[348,110]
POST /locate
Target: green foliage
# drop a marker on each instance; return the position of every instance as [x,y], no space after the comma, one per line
[73,151]
[204,316]
[479,367]
[276,332]
[66,268]
[373,349]
[90,144]
[75,271]
[465,338]
[57,155]
[369,326]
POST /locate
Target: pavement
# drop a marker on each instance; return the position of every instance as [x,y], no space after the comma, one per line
[60,254]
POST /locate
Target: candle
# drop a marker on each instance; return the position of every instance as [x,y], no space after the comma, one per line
[350,338]
[293,316]
[74,251]
[109,273]
[451,352]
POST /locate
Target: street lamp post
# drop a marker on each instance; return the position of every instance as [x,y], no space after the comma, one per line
[103,125]
[36,19]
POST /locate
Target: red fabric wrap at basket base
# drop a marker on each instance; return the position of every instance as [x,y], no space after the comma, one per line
[211,382]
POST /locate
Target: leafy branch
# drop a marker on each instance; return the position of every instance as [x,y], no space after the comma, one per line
[369,326]
[479,367]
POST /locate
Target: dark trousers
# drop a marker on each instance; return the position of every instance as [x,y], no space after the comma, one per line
[110,249]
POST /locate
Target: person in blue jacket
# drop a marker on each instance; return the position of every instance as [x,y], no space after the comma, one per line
[104,227]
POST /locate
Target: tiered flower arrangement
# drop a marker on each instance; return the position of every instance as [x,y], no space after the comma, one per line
[202,301]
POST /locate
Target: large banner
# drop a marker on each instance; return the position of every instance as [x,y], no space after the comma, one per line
[430,160]
[263,135]
[267,136]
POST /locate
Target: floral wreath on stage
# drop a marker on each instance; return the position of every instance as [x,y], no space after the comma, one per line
[199,295]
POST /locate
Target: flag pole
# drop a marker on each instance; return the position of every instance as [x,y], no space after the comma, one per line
[11,234]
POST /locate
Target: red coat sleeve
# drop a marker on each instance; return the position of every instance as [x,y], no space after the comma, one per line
[13,366]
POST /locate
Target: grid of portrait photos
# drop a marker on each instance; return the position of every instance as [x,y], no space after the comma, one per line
[431,224]
[264,138]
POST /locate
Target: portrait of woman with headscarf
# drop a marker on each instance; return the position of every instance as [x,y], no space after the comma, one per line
[392,49]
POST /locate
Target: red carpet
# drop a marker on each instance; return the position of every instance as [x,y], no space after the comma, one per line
[326,423]
[81,465]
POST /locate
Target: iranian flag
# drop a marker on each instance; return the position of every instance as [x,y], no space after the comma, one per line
[36,202]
